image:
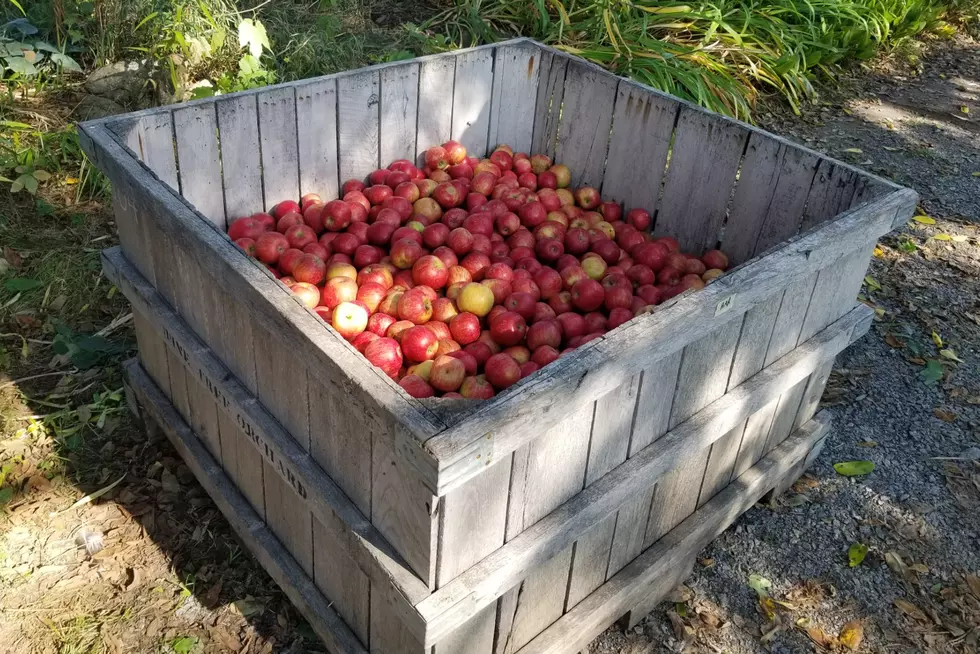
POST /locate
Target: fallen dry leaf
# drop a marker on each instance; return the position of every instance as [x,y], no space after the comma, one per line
[944,415]
[851,635]
[817,635]
[894,342]
[680,595]
[910,609]
[973,582]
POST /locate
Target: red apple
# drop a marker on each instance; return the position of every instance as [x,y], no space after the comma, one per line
[540,163]
[416,386]
[476,388]
[545,332]
[618,297]
[430,271]
[587,295]
[508,329]
[284,207]
[542,312]
[385,353]
[465,328]
[594,322]
[269,246]
[544,355]
[349,319]
[338,290]
[715,259]
[405,253]
[447,373]
[561,303]
[586,197]
[572,325]
[476,264]
[248,246]
[619,316]
[521,303]
[419,344]
[308,294]
[649,294]
[414,305]
[502,371]
[309,268]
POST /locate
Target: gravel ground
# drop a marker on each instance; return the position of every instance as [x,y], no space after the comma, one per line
[917,123]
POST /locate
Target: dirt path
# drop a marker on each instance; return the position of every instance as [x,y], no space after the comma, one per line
[918,513]
[171,578]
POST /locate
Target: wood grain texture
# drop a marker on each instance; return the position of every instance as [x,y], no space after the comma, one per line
[341,581]
[471,100]
[671,580]
[831,193]
[547,106]
[634,583]
[529,547]
[540,601]
[612,427]
[796,170]
[316,129]
[754,192]
[473,520]
[702,169]
[403,511]
[475,636]
[157,147]
[199,158]
[388,632]
[515,86]
[750,356]
[435,116]
[583,134]
[399,107]
[152,352]
[249,527]
[280,149]
[642,128]
[358,100]
[702,379]
[241,163]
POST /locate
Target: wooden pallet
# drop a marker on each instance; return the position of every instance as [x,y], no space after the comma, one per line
[465,526]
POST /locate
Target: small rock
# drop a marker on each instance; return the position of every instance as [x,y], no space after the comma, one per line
[121,81]
[92,107]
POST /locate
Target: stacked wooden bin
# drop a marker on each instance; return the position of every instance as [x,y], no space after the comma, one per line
[532,521]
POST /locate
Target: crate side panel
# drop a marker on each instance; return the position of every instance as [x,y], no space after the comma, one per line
[341,442]
[198,156]
[583,134]
[473,519]
[831,193]
[796,170]
[358,100]
[475,636]
[152,352]
[653,406]
[399,106]
[611,431]
[754,191]
[388,632]
[471,100]
[642,127]
[241,164]
[547,107]
[749,358]
[435,115]
[403,510]
[515,85]
[702,379]
[703,164]
[157,142]
[341,581]
[280,150]
[316,129]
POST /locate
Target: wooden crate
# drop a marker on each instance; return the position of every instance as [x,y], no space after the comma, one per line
[532,521]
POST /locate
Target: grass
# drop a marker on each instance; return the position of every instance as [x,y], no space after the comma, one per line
[719,53]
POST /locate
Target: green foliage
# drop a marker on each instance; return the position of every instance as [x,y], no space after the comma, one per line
[23,55]
[717,53]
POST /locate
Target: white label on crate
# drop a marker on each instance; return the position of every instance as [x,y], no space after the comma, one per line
[724,305]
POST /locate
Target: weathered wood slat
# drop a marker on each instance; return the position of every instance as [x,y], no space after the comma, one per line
[595,368]
[475,636]
[750,357]
[357,125]
[241,164]
[754,192]
[341,581]
[399,104]
[700,175]
[199,159]
[612,427]
[796,169]
[435,114]
[249,526]
[471,591]
[515,88]
[280,149]
[642,128]
[578,627]
[265,436]
[583,135]
[831,192]
[651,423]
[547,108]
[157,143]
[341,444]
[471,100]
[316,130]
[702,379]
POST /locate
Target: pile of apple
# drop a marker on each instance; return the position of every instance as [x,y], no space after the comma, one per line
[460,278]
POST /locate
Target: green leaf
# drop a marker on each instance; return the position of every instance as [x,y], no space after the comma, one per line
[147,19]
[251,34]
[41,175]
[18,5]
[924,220]
[933,372]
[29,182]
[19,284]
[184,644]
[21,66]
[856,554]
[6,494]
[66,62]
[760,585]
[854,468]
